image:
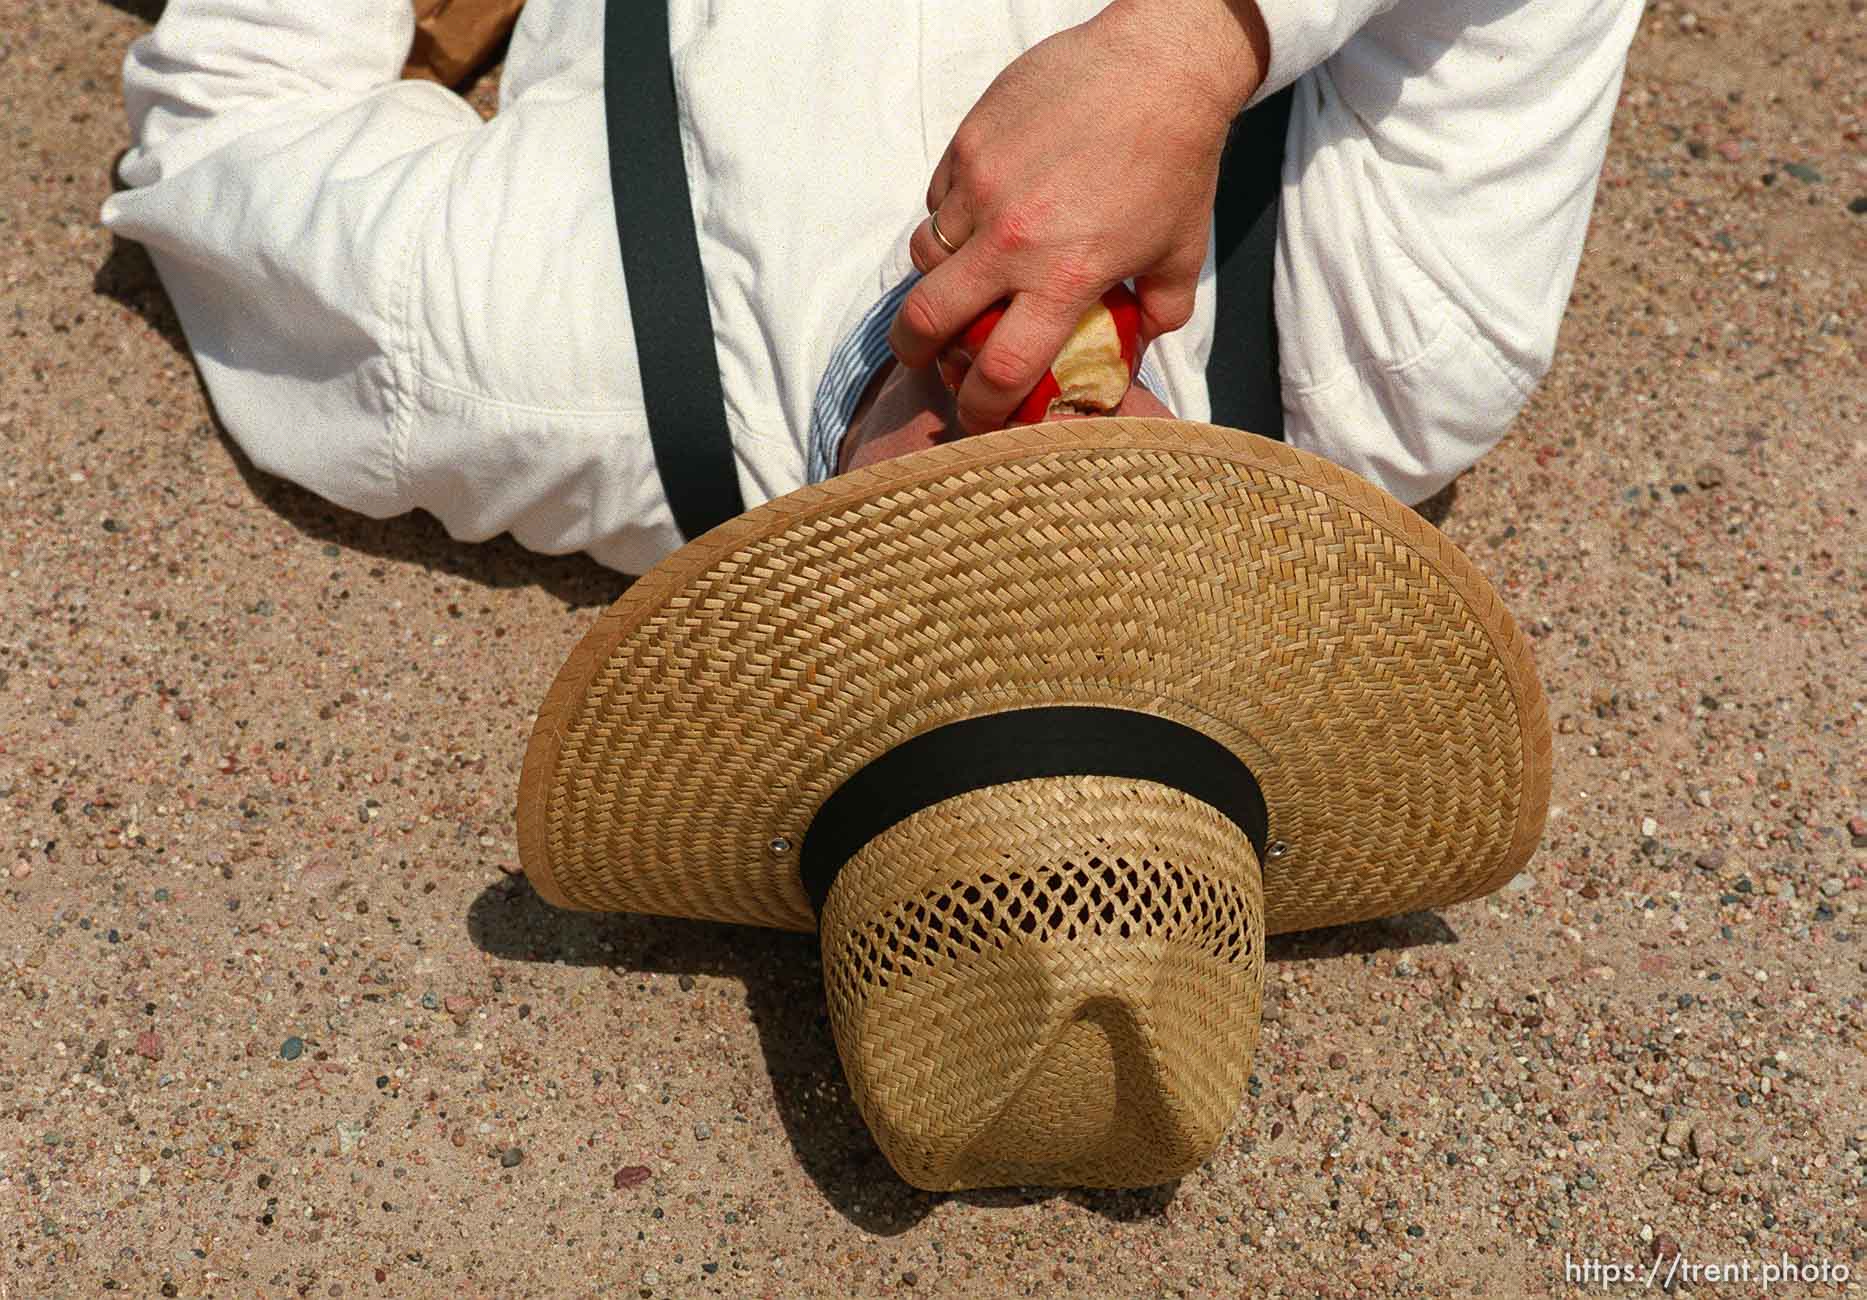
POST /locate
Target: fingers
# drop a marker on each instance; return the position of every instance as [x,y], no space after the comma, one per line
[924,246]
[1013,360]
[942,182]
[939,306]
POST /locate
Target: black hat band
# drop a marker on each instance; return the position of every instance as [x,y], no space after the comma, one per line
[1021,745]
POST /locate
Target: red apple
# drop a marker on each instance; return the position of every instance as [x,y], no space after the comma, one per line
[1090,376]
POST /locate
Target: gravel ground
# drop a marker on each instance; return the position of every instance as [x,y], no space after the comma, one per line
[278,1021]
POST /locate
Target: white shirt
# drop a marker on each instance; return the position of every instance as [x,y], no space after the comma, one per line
[398,305]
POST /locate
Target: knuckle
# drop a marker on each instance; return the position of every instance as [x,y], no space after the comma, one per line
[967,147]
[981,190]
[1020,228]
[919,316]
[1073,279]
[1009,368]
[975,418]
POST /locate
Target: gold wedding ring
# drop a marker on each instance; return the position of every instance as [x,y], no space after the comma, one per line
[933,219]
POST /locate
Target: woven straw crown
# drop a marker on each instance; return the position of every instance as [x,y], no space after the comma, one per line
[1053,980]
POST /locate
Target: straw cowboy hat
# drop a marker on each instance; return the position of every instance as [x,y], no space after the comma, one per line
[1043,732]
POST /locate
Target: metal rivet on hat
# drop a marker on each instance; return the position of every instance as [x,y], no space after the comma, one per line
[780,844]
[1276,849]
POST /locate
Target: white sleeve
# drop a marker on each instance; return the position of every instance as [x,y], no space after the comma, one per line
[1303,33]
[393,303]
[1439,175]
[277,169]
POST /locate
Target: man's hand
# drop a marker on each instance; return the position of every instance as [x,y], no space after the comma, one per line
[1093,157]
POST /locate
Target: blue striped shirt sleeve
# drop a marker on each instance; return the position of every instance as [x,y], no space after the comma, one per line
[854,363]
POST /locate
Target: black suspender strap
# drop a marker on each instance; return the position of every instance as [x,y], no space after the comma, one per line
[1241,374]
[673,326]
[661,263]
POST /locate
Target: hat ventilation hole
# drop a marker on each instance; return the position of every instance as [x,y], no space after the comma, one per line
[1072,902]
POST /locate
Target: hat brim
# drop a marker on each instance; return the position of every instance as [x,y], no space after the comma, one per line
[1341,646]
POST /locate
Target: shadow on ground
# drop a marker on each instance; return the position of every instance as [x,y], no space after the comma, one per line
[147,10]
[783,979]
[128,277]
[418,538]
[1436,508]
[1413,930]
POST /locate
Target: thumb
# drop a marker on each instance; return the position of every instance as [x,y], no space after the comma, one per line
[1166,302]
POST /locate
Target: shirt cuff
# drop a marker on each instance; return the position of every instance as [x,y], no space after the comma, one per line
[854,363]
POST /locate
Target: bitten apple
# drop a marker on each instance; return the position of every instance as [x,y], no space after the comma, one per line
[1090,376]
